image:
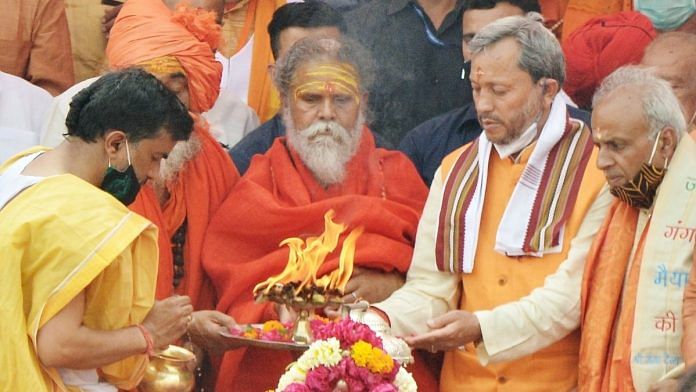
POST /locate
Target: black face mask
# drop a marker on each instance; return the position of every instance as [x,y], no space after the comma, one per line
[124,186]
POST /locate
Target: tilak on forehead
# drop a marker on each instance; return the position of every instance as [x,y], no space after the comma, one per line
[330,79]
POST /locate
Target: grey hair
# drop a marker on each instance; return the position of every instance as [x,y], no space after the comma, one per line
[311,48]
[541,55]
[660,106]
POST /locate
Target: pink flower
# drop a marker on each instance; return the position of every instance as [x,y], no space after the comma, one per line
[323,378]
[297,387]
[347,332]
[384,387]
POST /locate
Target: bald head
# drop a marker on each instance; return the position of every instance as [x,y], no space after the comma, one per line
[671,56]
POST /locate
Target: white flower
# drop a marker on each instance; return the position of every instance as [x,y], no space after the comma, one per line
[322,352]
[294,374]
[404,381]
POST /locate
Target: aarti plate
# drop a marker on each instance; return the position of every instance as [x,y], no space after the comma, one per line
[262,343]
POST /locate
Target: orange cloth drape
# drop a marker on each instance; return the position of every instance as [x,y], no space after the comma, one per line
[279,198]
[580,11]
[201,187]
[261,90]
[553,11]
[144,30]
[608,303]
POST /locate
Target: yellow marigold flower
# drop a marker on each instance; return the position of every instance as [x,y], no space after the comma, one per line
[361,353]
[380,362]
[273,325]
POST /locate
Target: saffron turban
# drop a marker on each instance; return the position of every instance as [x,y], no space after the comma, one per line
[147,29]
[601,46]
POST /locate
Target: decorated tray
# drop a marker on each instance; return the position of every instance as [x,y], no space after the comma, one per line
[271,335]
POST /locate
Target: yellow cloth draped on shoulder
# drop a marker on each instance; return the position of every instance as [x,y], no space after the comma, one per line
[59,237]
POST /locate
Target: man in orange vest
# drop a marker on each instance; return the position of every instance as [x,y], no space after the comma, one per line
[512,212]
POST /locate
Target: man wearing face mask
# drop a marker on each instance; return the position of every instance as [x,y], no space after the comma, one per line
[672,15]
[77,277]
[497,265]
[639,263]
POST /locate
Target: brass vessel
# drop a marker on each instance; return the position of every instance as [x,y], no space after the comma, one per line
[170,370]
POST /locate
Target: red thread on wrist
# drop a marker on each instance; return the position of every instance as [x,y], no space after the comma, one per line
[150,349]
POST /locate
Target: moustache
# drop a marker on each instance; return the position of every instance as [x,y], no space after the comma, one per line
[482,119]
[325,129]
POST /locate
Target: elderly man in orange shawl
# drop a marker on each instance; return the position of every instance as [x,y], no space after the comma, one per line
[638,266]
[328,160]
[198,174]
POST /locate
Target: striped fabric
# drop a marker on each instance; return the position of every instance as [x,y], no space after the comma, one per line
[556,188]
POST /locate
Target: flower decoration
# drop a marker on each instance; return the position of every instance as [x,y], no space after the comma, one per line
[345,354]
[272,330]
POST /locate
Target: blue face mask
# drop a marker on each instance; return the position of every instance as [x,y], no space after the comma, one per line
[666,15]
[124,185]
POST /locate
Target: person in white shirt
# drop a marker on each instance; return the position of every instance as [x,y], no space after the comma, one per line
[22,110]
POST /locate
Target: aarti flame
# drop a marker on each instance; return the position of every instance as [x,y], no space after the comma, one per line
[306,257]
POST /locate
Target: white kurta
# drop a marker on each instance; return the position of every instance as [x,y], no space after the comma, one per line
[512,330]
[22,110]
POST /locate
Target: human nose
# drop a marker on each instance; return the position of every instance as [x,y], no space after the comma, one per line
[327,111]
[483,102]
[154,171]
[604,160]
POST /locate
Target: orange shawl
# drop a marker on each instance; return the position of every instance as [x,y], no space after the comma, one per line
[262,96]
[147,29]
[605,355]
[195,195]
[580,11]
[279,198]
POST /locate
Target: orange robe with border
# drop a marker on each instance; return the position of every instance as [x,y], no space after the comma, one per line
[145,30]
[498,279]
[279,198]
[195,195]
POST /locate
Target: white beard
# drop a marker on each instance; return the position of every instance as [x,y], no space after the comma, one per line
[324,147]
[182,152]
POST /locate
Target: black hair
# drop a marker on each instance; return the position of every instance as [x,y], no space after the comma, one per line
[524,5]
[310,14]
[132,101]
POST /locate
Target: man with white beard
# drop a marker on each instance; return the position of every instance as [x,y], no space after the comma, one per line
[327,161]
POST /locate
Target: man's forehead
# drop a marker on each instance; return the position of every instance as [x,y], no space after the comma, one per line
[620,110]
[497,62]
[328,70]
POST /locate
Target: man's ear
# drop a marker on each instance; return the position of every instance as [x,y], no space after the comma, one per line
[113,140]
[549,89]
[270,69]
[668,142]
[364,99]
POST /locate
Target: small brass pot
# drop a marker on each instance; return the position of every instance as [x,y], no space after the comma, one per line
[170,370]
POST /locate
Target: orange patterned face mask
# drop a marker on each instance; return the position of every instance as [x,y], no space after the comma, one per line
[164,65]
[640,191]
[339,82]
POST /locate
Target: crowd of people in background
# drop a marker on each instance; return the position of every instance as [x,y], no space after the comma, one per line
[522,173]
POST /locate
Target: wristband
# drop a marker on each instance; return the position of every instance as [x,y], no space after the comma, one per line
[150,349]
